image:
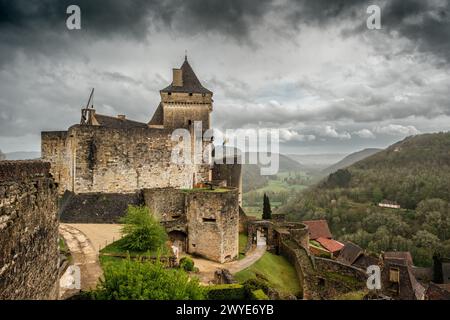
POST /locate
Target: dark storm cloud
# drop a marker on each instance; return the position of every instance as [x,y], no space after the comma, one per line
[425,22]
[40,26]
[134,18]
[40,23]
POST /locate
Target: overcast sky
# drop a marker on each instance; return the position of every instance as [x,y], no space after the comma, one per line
[310,68]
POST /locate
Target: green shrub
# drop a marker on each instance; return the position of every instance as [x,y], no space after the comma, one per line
[142,230]
[255,284]
[137,280]
[187,264]
[226,292]
[258,295]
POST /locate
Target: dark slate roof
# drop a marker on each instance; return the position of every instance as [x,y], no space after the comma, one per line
[116,123]
[400,257]
[318,229]
[350,253]
[157,118]
[191,84]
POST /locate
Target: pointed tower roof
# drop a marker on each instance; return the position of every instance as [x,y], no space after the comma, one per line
[191,84]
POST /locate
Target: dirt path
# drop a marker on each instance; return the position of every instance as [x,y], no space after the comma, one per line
[207,267]
[99,235]
[83,254]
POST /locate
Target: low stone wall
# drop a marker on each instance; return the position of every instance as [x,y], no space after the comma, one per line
[29,258]
[328,265]
[96,207]
[304,266]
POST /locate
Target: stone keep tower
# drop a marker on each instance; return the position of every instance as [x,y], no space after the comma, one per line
[184,101]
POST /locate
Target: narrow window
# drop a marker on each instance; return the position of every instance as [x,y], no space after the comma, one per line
[394,275]
[209,220]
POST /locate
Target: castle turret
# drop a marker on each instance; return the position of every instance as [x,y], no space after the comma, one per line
[184,101]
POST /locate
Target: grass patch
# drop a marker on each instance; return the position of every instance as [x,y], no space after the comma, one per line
[348,280]
[354,295]
[278,272]
[115,248]
[242,244]
[64,249]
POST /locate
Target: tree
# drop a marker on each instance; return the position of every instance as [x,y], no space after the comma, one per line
[377,195]
[340,178]
[137,280]
[267,211]
[142,230]
[2,156]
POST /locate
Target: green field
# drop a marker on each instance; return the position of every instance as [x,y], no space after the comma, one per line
[279,190]
[277,271]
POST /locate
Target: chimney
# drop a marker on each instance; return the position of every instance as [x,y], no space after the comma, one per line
[177,78]
[121,116]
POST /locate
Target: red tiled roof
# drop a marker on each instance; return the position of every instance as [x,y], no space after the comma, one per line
[330,244]
[318,229]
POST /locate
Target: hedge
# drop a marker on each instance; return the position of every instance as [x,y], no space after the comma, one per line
[258,295]
[232,291]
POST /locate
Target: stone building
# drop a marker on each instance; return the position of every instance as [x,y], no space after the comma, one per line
[202,222]
[117,156]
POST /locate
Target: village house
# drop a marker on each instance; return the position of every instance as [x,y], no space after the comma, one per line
[321,240]
[389,204]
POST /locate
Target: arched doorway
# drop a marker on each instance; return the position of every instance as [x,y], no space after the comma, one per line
[261,236]
[179,240]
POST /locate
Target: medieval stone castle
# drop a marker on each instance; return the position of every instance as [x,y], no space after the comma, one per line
[117,156]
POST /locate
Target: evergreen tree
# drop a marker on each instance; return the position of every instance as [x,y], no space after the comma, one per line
[267,211]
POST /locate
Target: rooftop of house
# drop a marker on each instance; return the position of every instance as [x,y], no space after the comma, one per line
[119,122]
[330,244]
[350,253]
[318,229]
[190,84]
[388,202]
[399,257]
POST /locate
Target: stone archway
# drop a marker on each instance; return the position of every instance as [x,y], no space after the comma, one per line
[261,236]
[179,240]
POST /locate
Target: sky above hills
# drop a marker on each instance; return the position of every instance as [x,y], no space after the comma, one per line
[310,68]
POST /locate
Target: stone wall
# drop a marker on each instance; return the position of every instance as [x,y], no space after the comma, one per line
[213,224]
[97,207]
[231,173]
[56,149]
[180,108]
[29,258]
[90,159]
[166,203]
[328,265]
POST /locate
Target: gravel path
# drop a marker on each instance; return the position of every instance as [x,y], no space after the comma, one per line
[99,234]
[83,254]
[207,267]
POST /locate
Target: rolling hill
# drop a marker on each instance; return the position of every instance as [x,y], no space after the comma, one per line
[414,172]
[251,174]
[350,159]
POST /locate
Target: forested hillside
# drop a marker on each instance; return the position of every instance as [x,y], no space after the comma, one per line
[415,173]
[349,160]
